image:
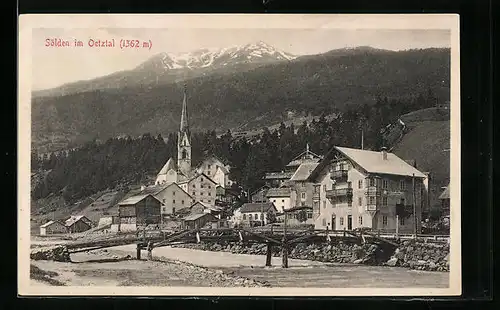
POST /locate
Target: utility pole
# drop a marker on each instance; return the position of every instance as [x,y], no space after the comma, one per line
[362,139]
[284,245]
[414,207]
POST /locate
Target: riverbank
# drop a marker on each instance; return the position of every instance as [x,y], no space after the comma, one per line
[410,254]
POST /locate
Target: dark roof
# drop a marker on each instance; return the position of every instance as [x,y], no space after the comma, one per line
[279,192]
[304,171]
[135,199]
[278,175]
[196,216]
[256,207]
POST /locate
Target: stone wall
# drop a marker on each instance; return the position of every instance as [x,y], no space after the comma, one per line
[57,253]
[410,254]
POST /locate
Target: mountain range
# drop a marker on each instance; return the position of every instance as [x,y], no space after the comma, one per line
[243,87]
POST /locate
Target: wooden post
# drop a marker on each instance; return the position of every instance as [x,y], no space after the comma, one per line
[138,251]
[269,254]
[397,226]
[150,251]
[284,254]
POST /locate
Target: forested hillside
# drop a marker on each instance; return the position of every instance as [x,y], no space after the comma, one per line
[325,83]
[118,162]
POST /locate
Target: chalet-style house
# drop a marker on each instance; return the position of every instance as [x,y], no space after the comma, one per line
[356,188]
[139,211]
[77,223]
[297,216]
[283,198]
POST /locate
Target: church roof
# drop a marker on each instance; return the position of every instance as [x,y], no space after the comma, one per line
[170,164]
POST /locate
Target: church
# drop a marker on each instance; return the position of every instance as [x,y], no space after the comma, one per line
[199,182]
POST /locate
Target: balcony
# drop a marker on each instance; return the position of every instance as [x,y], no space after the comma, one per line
[372,207]
[373,191]
[339,175]
[341,192]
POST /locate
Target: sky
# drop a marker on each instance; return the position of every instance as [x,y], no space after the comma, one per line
[52,67]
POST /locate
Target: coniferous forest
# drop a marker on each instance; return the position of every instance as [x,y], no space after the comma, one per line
[124,161]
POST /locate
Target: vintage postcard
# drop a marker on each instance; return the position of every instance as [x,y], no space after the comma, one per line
[249,155]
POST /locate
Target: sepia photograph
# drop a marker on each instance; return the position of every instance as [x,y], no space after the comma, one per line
[294,155]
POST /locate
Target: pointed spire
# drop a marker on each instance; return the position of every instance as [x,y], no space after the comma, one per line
[184,116]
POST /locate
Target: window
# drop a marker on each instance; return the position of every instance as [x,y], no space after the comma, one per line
[324,187]
[209,186]
[303,195]
[201,193]
[250,217]
[201,186]
[341,221]
[384,201]
[360,220]
[303,184]
[402,185]
[360,184]
[194,193]
[257,216]
[163,200]
[372,200]
[164,209]
[360,201]
[173,193]
[324,204]
[309,215]
[173,201]
[349,203]
[173,210]
[209,200]
[194,185]
[349,184]
[342,167]
[201,179]
[283,200]
[372,182]
[182,201]
[209,194]
[324,222]
[244,216]
[384,220]
[401,221]
[274,200]
[385,183]
[208,166]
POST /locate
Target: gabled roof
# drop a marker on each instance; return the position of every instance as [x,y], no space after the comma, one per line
[257,207]
[50,223]
[303,171]
[135,199]
[279,192]
[373,162]
[446,193]
[156,189]
[298,208]
[75,218]
[170,164]
[278,175]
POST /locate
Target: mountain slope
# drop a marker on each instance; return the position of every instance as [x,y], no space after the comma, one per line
[257,97]
[168,67]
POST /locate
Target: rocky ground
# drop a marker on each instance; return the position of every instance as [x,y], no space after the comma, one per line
[104,268]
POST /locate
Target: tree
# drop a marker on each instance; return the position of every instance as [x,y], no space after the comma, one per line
[302,216]
[271,217]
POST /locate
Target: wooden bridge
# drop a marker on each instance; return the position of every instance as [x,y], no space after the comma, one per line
[271,236]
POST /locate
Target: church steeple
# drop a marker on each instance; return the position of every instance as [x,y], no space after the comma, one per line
[184,116]
[184,140]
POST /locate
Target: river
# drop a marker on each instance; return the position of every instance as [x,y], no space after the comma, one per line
[302,273]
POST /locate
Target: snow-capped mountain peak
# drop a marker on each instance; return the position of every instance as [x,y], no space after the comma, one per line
[259,52]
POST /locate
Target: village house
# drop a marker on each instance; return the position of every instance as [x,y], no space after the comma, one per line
[283,198]
[357,188]
[445,201]
[197,220]
[78,223]
[254,214]
[214,168]
[297,216]
[139,211]
[52,227]
[173,197]
[260,194]
[202,188]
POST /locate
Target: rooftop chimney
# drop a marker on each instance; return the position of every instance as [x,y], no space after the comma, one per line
[384,153]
